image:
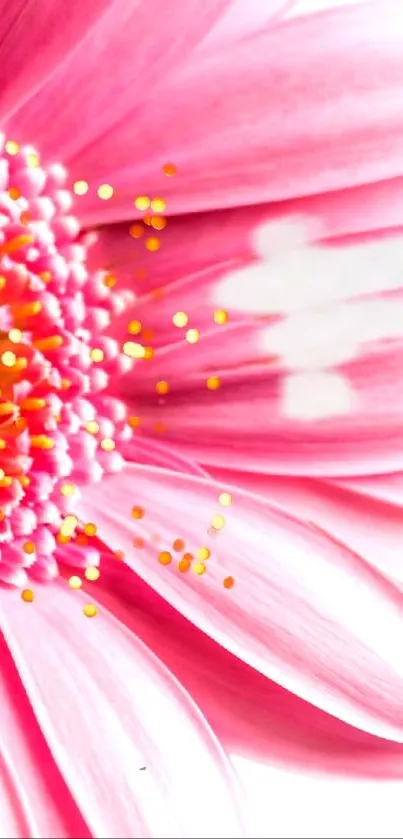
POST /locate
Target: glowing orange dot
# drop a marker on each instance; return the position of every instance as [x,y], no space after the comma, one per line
[105,191]
[28,547]
[14,193]
[169,169]
[162,388]
[90,611]
[138,512]
[213,383]
[92,573]
[119,555]
[138,542]
[136,230]
[81,539]
[199,568]
[27,595]
[228,582]
[158,205]
[184,564]
[134,327]
[165,558]
[153,244]
[178,545]
[148,333]
[142,202]
[221,316]
[134,422]
[90,529]
[80,187]
[148,353]
[109,281]
[158,222]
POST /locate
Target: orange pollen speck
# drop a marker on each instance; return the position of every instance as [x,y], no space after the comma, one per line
[53,342]
[28,547]
[134,422]
[41,441]
[162,388]
[169,169]
[15,244]
[228,582]
[27,595]
[184,564]
[178,545]
[136,230]
[213,383]
[165,558]
[90,529]
[138,512]
[134,327]
[153,244]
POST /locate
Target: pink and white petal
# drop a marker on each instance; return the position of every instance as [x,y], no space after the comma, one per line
[251,714]
[370,526]
[35,40]
[36,801]
[306,611]
[325,114]
[106,78]
[242,21]
[108,711]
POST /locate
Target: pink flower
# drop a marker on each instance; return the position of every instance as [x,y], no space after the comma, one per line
[224,496]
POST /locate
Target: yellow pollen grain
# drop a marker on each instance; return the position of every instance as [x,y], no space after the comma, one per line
[142,202]
[148,353]
[80,187]
[12,147]
[24,480]
[138,512]
[90,611]
[92,427]
[2,474]
[41,441]
[169,169]
[65,384]
[203,554]
[7,408]
[105,191]
[180,319]
[96,355]
[158,222]
[27,595]
[52,342]
[92,573]
[21,364]
[218,522]
[220,316]
[14,193]
[225,499]
[162,388]
[8,358]
[32,404]
[15,336]
[136,230]
[192,336]
[134,327]
[3,444]
[153,244]
[68,525]
[107,444]
[134,350]
[158,205]
[198,568]
[33,161]
[6,481]
[3,283]
[213,383]
[90,529]
[134,422]
[75,582]
[67,489]
[28,547]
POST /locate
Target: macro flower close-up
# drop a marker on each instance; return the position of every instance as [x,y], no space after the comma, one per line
[201,418]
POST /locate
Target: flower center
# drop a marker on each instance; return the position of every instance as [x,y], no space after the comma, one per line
[59,430]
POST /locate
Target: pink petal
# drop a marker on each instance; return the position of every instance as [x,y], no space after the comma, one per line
[241,21]
[106,78]
[107,707]
[305,611]
[251,714]
[36,41]
[325,114]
